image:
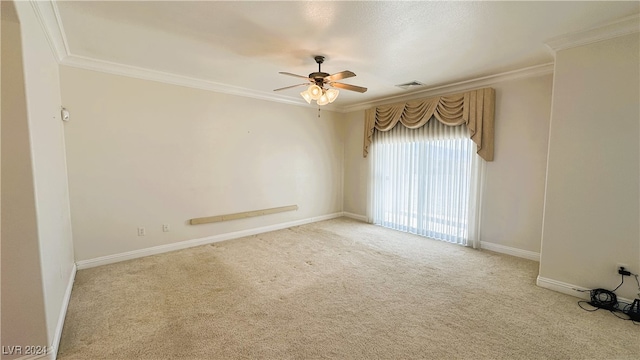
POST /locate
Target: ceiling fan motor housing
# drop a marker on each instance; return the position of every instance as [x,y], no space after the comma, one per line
[318,76]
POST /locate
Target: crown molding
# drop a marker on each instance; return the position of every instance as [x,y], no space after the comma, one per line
[532,71]
[88,63]
[625,26]
[49,18]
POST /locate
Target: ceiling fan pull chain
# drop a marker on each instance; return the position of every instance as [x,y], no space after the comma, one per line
[318,112]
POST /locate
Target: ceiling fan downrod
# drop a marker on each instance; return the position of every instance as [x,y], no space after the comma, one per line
[319,59]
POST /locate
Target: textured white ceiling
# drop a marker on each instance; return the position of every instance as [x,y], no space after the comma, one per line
[244,44]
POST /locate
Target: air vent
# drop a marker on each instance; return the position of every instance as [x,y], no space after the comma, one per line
[410,85]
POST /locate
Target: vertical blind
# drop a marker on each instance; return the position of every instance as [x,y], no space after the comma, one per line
[426,182]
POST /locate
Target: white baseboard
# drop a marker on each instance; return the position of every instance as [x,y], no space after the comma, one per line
[569,289]
[52,350]
[110,259]
[526,254]
[562,287]
[355,216]
[53,353]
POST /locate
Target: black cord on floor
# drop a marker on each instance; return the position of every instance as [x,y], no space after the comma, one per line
[586,302]
[605,299]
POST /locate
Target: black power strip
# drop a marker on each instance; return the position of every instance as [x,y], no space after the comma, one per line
[633,310]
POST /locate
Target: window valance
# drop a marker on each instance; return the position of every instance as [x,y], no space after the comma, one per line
[474,109]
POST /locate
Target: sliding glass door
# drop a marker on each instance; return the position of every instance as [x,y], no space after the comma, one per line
[425,181]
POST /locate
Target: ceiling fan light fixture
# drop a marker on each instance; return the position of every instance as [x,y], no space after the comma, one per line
[315,92]
[324,99]
[306,96]
[332,94]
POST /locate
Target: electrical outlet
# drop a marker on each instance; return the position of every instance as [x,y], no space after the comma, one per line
[624,270]
[165,227]
[619,265]
[141,231]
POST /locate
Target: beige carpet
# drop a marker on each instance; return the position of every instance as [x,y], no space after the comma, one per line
[337,289]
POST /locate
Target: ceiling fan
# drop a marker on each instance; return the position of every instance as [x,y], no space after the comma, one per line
[317,91]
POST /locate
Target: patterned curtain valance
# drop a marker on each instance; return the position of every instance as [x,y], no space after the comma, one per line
[474,108]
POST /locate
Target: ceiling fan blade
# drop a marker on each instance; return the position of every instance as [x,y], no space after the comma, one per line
[339,76]
[359,89]
[292,86]
[294,75]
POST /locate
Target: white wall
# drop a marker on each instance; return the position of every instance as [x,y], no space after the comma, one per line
[23,319]
[41,89]
[514,184]
[592,215]
[143,154]
[356,168]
